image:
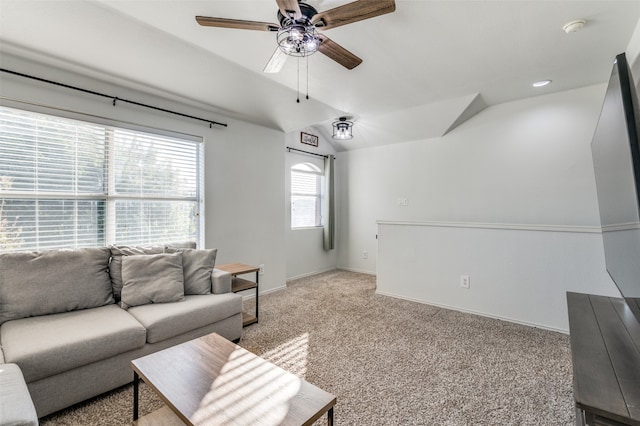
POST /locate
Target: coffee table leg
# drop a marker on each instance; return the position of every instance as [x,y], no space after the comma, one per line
[136,384]
[330,417]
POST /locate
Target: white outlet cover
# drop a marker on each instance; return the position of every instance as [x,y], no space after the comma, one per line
[464,281]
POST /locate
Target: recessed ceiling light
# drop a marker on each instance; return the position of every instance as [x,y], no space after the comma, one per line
[541,83]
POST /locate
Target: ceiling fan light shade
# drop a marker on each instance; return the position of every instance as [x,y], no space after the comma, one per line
[298,40]
[343,129]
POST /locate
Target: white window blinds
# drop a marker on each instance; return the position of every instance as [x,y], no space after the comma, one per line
[305,195]
[67,183]
[154,195]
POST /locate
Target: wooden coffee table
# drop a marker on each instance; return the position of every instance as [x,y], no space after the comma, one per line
[212,381]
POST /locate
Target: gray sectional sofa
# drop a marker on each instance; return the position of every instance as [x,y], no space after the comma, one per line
[72,320]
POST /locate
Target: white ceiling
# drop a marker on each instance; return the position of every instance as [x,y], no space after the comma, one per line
[425,65]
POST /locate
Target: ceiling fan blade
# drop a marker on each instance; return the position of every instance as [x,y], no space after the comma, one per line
[290,8]
[353,12]
[236,23]
[276,62]
[338,53]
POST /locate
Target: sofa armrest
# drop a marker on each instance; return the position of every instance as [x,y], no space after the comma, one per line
[220,281]
[16,406]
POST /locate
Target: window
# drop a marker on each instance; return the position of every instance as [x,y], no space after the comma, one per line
[306,183]
[68,183]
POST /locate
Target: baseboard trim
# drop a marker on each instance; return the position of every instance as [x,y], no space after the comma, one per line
[469,311]
[252,295]
[308,274]
[360,271]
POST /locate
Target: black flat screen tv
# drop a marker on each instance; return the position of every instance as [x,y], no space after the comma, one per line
[616,157]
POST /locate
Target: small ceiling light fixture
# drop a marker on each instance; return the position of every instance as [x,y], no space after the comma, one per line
[574,26]
[343,129]
[541,83]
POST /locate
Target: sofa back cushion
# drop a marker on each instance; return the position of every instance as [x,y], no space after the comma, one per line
[49,282]
[196,266]
[115,268]
[155,278]
[181,244]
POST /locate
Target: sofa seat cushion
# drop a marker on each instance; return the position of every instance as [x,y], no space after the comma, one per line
[166,320]
[50,344]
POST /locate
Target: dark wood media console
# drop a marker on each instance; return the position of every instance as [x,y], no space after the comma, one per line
[605,347]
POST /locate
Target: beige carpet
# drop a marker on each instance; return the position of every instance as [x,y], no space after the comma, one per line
[393,362]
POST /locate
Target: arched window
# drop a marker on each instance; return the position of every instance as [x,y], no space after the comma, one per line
[306,187]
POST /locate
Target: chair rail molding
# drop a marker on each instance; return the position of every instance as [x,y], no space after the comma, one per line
[505,226]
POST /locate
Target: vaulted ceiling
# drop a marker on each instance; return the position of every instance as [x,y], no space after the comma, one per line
[426,67]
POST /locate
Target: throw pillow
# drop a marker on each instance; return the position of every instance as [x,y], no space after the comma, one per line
[197,266]
[155,278]
[115,267]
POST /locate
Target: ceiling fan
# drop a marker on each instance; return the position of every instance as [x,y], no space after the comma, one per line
[297,35]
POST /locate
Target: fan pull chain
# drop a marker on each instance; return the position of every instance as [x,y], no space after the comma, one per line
[298,83]
[307,76]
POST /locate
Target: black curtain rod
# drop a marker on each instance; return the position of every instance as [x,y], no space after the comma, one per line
[307,152]
[114,98]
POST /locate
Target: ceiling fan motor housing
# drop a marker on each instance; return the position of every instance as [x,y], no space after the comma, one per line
[308,12]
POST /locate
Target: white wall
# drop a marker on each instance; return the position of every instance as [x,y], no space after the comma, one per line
[245,200]
[516,274]
[633,54]
[305,253]
[526,162]
[244,163]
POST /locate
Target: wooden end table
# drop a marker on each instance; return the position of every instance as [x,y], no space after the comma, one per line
[239,284]
[212,381]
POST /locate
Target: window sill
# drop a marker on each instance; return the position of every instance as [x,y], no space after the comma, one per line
[302,228]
